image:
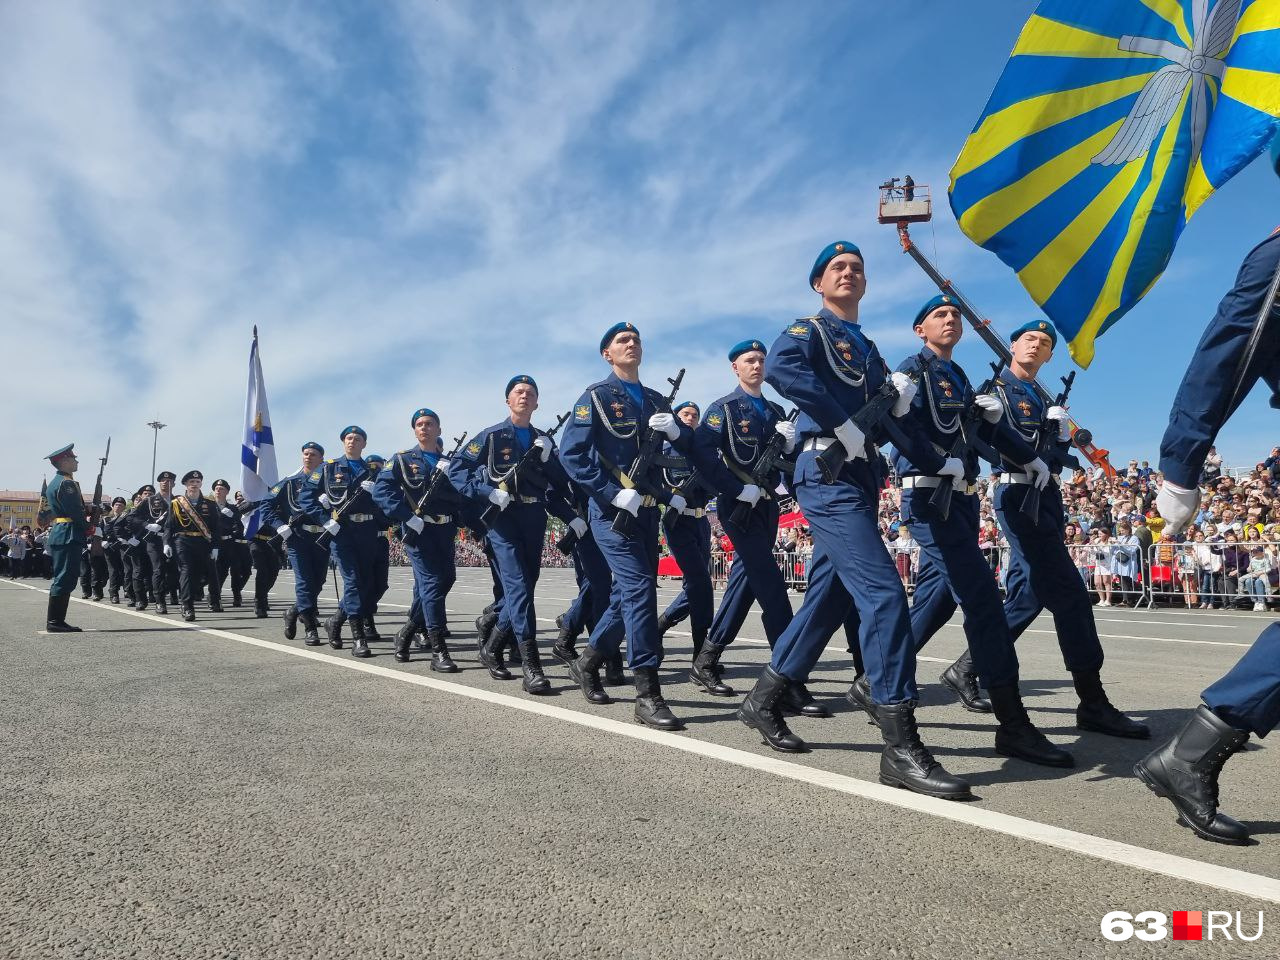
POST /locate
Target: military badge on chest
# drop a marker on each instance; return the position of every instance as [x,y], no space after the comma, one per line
[845,349]
[618,409]
[1024,407]
[505,453]
[946,387]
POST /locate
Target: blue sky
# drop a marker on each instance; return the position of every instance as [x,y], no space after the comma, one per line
[415,200]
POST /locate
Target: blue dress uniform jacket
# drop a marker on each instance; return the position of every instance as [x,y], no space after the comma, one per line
[69,533]
[602,436]
[355,547]
[308,560]
[1248,696]
[726,446]
[829,369]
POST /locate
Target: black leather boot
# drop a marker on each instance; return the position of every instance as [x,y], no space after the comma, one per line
[651,707]
[419,637]
[705,671]
[491,655]
[404,636]
[859,694]
[613,675]
[1185,772]
[84,593]
[291,621]
[798,700]
[699,640]
[563,649]
[360,642]
[963,682]
[188,613]
[215,603]
[371,630]
[1017,736]
[760,712]
[236,599]
[441,662]
[311,624]
[514,657]
[115,596]
[907,762]
[586,671]
[333,628]
[161,607]
[97,594]
[56,618]
[260,609]
[535,681]
[485,624]
[663,625]
[1096,712]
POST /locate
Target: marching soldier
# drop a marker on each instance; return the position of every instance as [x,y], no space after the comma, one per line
[192,536]
[139,561]
[233,548]
[67,532]
[343,486]
[148,521]
[265,556]
[827,367]
[93,565]
[283,513]
[429,525]
[1243,338]
[380,578]
[116,537]
[601,442]
[594,581]
[1041,573]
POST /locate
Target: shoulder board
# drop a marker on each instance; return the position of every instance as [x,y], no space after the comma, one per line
[331,460]
[800,329]
[910,365]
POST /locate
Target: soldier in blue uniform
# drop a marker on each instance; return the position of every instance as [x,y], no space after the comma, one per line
[826,366]
[1041,573]
[67,535]
[591,573]
[148,521]
[428,533]
[1246,700]
[380,576]
[282,512]
[488,471]
[952,569]
[601,443]
[344,484]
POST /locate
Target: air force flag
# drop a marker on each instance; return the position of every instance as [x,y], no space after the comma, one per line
[258,472]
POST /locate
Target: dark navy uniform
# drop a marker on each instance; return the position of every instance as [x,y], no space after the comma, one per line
[689,538]
[310,562]
[148,520]
[341,480]
[380,577]
[115,537]
[193,535]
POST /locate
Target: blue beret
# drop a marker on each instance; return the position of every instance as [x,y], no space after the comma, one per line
[1275,152]
[521,378]
[423,412]
[829,253]
[312,445]
[61,451]
[746,346]
[375,458]
[1037,326]
[613,331]
[941,300]
[353,429]
[687,403]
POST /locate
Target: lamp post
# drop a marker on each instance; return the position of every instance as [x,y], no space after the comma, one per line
[157,426]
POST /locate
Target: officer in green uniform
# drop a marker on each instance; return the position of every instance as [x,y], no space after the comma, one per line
[67,536]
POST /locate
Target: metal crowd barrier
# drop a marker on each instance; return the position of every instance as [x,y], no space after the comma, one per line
[1218,575]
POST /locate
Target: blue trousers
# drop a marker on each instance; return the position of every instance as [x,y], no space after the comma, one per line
[354,550]
[1248,697]
[952,570]
[850,568]
[633,599]
[516,536]
[381,572]
[690,541]
[591,571]
[310,567]
[754,575]
[434,573]
[1042,575]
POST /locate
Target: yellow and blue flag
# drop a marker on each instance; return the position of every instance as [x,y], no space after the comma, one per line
[1112,122]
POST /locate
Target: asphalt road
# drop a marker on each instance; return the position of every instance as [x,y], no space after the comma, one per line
[212,790]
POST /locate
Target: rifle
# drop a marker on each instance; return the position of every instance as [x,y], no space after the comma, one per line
[407,535]
[1044,449]
[771,458]
[97,486]
[688,490]
[966,439]
[874,416]
[525,469]
[323,538]
[650,448]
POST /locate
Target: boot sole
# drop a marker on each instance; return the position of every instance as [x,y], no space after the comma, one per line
[803,748]
[452,668]
[667,727]
[567,661]
[1094,728]
[964,702]
[1038,761]
[938,794]
[701,684]
[1150,783]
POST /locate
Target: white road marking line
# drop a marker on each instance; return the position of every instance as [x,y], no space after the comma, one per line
[1112,851]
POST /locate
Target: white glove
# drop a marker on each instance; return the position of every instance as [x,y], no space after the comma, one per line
[284,531]
[1064,421]
[228,512]
[953,468]
[1176,505]
[543,444]
[750,494]
[1039,471]
[578,526]
[991,407]
[325,501]
[415,524]
[333,526]
[628,500]
[366,485]
[788,430]
[442,464]
[852,439]
[168,550]
[153,527]
[665,423]
[499,498]
[678,503]
[214,553]
[132,541]
[906,388]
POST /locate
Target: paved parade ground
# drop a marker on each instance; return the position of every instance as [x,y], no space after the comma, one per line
[212,790]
